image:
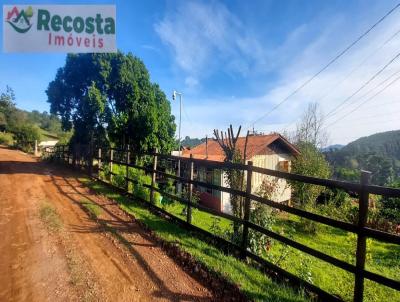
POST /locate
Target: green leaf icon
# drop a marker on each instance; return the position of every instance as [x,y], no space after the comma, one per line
[29,12]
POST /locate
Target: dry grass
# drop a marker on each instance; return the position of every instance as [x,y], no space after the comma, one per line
[50,217]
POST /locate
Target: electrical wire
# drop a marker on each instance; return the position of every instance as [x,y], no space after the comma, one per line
[359,98]
[327,65]
[367,100]
[358,66]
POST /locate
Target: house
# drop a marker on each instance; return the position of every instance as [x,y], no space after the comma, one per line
[270,151]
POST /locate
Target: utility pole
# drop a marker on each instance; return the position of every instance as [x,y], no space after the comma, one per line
[174,94]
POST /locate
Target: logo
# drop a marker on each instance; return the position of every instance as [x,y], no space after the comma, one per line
[20,20]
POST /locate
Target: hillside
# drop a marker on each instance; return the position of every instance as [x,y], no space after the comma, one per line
[378,153]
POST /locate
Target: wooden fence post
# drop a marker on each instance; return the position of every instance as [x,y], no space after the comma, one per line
[111,164]
[63,154]
[68,155]
[190,197]
[90,159]
[361,238]
[128,155]
[179,184]
[99,163]
[153,177]
[247,202]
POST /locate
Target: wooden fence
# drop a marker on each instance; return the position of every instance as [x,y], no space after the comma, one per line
[363,189]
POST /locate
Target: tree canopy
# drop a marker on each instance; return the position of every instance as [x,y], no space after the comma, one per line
[110,98]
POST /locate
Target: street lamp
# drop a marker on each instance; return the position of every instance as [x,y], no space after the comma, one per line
[174,94]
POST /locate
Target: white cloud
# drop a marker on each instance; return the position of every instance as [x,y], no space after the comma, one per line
[295,63]
[205,36]
[191,82]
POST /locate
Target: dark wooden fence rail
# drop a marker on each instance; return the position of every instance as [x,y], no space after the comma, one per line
[363,189]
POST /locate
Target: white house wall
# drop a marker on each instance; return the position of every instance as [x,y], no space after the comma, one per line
[225,196]
[271,161]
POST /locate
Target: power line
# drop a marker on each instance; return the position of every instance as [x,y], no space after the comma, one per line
[359,65]
[368,92]
[327,65]
[362,96]
[367,100]
[332,112]
[359,98]
[368,123]
[376,115]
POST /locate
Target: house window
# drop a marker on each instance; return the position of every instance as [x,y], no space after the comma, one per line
[284,166]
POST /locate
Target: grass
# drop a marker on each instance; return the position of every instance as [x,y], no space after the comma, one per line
[253,283]
[50,217]
[93,209]
[382,258]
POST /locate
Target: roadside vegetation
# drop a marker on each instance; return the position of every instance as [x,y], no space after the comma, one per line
[20,129]
[50,217]
[113,103]
[93,209]
[253,283]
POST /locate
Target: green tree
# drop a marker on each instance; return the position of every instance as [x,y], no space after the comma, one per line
[25,136]
[112,96]
[310,162]
[7,108]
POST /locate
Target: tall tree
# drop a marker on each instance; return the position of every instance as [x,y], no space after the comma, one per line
[235,178]
[112,96]
[310,128]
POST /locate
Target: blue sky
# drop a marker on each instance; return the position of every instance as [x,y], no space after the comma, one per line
[235,60]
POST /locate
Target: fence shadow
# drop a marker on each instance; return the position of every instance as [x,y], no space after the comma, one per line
[119,229]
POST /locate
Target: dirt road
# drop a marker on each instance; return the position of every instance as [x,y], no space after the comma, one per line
[52,250]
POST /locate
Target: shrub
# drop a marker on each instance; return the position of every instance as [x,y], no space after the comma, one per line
[390,207]
[6,139]
[265,217]
[25,137]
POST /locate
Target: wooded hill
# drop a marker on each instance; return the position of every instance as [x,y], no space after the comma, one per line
[378,153]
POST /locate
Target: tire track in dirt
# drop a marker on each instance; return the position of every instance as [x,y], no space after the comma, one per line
[121,261]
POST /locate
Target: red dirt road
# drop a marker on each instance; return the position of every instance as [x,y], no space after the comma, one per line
[111,259]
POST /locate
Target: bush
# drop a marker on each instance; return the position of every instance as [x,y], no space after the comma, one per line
[25,137]
[264,217]
[390,207]
[6,139]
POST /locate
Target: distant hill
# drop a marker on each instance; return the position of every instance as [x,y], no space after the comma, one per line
[332,148]
[378,153]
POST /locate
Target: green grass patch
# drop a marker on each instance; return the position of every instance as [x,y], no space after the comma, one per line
[50,217]
[382,258]
[253,283]
[93,209]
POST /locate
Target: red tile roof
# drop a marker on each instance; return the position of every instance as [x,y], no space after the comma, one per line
[256,145]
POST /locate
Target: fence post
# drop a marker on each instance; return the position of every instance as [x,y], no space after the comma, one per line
[63,154]
[99,163]
[153,177]
[190,197]
[128,155]
[361,238]
[247,202]
[111,164]
[90,159]
[179,184]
